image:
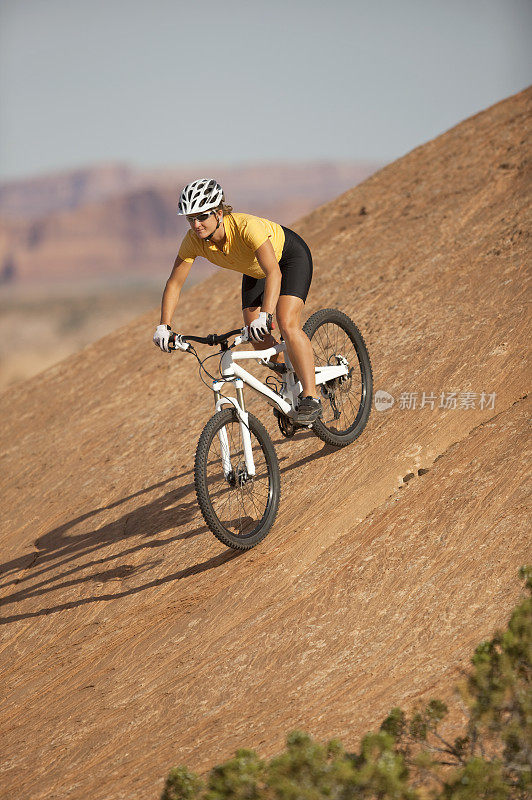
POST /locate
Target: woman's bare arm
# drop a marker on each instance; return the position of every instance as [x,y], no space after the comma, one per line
[172,290]
[268,262]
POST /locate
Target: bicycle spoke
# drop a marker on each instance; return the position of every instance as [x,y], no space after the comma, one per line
[239,500]
[331,343]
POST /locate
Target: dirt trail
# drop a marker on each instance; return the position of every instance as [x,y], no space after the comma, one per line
[133,641]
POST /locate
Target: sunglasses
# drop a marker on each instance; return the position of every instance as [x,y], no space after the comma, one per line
[200,217]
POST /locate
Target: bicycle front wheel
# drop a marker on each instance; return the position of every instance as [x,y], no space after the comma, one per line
[238,508]
[346,400]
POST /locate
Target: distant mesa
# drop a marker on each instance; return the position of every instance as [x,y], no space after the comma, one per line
[114,220]
[8,270]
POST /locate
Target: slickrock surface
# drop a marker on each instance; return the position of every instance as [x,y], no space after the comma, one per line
[134,641]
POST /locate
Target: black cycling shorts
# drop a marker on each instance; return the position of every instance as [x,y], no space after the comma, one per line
[296,272]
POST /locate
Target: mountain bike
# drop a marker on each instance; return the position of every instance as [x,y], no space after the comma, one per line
[236,471]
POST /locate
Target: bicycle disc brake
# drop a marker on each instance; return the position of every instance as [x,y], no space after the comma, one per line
[342,384]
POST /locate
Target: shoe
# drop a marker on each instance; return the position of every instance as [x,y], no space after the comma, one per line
[309,410]
[280,369]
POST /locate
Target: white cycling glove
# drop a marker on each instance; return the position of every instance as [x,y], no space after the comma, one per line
[261,326]
[161,338]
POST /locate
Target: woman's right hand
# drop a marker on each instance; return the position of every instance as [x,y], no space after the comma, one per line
[162,336]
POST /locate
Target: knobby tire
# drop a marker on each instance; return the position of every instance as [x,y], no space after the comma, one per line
[240,516]
[332,334]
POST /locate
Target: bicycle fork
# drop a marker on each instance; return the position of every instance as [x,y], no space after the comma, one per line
[238,404]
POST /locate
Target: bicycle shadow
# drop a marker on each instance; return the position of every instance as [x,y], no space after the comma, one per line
[326,450]
[60,547]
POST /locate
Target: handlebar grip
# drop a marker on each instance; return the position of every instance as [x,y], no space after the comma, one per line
[171,341]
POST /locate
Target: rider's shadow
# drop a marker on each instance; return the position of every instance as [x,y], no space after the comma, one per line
[325,451]
[60,547]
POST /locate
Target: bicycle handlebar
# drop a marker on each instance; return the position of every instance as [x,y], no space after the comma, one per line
[212,339]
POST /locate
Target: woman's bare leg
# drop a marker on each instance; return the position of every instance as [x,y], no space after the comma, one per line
[288,313]
[298,344]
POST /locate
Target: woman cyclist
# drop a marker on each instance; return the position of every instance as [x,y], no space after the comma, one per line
[276,267]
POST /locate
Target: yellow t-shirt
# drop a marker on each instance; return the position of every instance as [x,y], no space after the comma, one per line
[244,234]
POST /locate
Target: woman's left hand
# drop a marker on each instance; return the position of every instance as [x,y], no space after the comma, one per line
[261,327]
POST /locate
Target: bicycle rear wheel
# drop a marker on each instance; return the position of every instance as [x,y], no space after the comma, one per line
[238,508]
[346,401]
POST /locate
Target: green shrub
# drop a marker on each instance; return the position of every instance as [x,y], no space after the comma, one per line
[408,758]
[182,785]
[240,778]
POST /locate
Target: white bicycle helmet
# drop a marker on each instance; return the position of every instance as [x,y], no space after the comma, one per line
[203,194]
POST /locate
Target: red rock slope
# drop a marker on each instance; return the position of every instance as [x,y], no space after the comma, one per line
[132,640]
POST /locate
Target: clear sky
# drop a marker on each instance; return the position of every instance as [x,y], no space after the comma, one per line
[166,82]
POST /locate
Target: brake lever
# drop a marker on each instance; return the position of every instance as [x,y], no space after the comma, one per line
[172,340]
[243,337]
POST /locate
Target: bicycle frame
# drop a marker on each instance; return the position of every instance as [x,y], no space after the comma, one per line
[284,401]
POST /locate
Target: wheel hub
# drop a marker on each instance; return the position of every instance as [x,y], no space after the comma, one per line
[242,477]
[342,384]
